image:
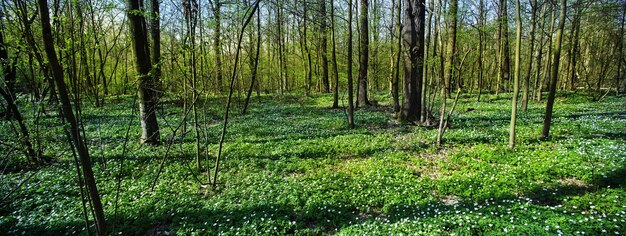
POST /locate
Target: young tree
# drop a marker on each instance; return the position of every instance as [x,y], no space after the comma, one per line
[334,56]
[350,82]
[554,73]
[503,42]
[155,34]
[618,78]
[254,62]
[363,54]
[217,42]
[146,86]
[8,93]
[518,48]
[531,42]
[395,79]
[323,45]
[447,77]
[413,34]
[68,114]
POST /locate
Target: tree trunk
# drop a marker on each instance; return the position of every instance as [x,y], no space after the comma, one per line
[146,86]
[574,46]
[396,67]
[254,65]
[533,16]
[350,82]
[481,25]
[518,49]
[450,49]
[363,54]
[309,69]
[9,74]
[68,114]
[413,34]
[554,72]
[324,46]
[334,56]
[155,34]
[217,43]
[548,63]
[618,79]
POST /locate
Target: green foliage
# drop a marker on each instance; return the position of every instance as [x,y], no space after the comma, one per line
[292,167]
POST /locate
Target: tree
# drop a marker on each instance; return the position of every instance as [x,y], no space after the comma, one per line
[533,22]
[447,77]
[518,49]
[8,93]
[305,45]
[363,54]
[554,72]
[620,62]
[482,18]
[217,43]
[323,46]
[146,86]
[68,114]
[503,42]
[334,56]
[395,79]
[254,62]
[155,34]
[413,34]
[350,82]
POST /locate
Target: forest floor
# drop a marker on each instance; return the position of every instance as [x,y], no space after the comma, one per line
[292,167]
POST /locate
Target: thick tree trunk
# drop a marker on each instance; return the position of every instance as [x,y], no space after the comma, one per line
[413,34]
[545,132]
[68,114]
[363,54]
[146,86]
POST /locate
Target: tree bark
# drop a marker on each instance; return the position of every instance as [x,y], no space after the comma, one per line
[217,43]
[518,49]
[395,80]
[146,86]
[533,22]
[447,77]
[324,46]
[363,54]
[413,34]
[68,114]
[545,132]
[155,34]
[334,56]
[254,65]
[350,82]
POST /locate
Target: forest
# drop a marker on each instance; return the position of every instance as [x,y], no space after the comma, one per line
[312,117]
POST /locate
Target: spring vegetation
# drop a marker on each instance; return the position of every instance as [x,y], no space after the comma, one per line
[312,117]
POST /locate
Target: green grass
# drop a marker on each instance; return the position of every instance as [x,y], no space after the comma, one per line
[292,167]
